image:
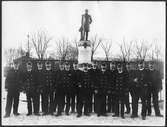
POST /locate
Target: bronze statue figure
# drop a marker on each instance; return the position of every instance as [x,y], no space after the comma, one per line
[84,29]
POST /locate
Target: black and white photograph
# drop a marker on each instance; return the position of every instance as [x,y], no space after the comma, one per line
[83,63]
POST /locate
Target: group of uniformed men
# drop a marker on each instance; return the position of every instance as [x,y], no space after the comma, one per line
[84,91]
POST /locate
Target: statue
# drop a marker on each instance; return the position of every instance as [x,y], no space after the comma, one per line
[84,29]
[84,46]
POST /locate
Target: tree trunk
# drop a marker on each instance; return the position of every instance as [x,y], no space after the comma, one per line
[92,57]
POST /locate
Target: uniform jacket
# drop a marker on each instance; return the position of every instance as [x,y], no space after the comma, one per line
[130,76]
[112,79]
[30,80]
[94,73]
[103,82]
[49,79]
[85,80]
[75,77]
[67,79]
[40,78]
[64,79]
[142,78]
[121,87]
[13,80]
[154,79]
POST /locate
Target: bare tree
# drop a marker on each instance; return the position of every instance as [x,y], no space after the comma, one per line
[40,41]
[21,51]
[72,53]
[106,46]
[76,43]
[141,49]
[95,44]
[12,53]
[62,47]
[155,51]
[126,50]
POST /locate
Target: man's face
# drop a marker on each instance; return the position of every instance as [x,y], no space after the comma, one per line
[94,66]
[119,69]
[151,66]
[16,66]
[12,65]
[61,66]
[112,66]
[67,67]
[140,65]
[75,66]
[103,68]
[29,67]
[48,66]
[127,66]
[39,65]
[85,67]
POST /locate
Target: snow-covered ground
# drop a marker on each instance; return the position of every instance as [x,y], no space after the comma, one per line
[73,120]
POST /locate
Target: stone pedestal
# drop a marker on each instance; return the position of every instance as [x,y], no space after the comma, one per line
[84,55]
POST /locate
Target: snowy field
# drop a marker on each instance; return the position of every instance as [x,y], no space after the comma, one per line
[73,120]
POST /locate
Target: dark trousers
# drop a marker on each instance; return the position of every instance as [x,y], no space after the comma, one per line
[153,93]
[38,100]
[111,103]
[90,101]
[60,100]
[83,101]
[119,104]
[137,93]
[55,102]
[42,102]
[48,101]
[12,98]
[32,101]
[148,101]
[73,99]
[127,104]
[68,97]
[95,103]
[101,104]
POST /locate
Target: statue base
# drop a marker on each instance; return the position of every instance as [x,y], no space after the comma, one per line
[84,55]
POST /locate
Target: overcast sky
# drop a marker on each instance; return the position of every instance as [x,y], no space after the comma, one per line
[111,20]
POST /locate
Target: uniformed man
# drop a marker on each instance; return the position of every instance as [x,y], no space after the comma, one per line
[94,71]
[60,89]
[101,90]
[12,86]
[111,92]
[155,85]
[48,89]
[75,80]
[40,82]
[30,85]
[83,90]
[55,72]
[139,90]
[127,75]
[121,90]
[68,87]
